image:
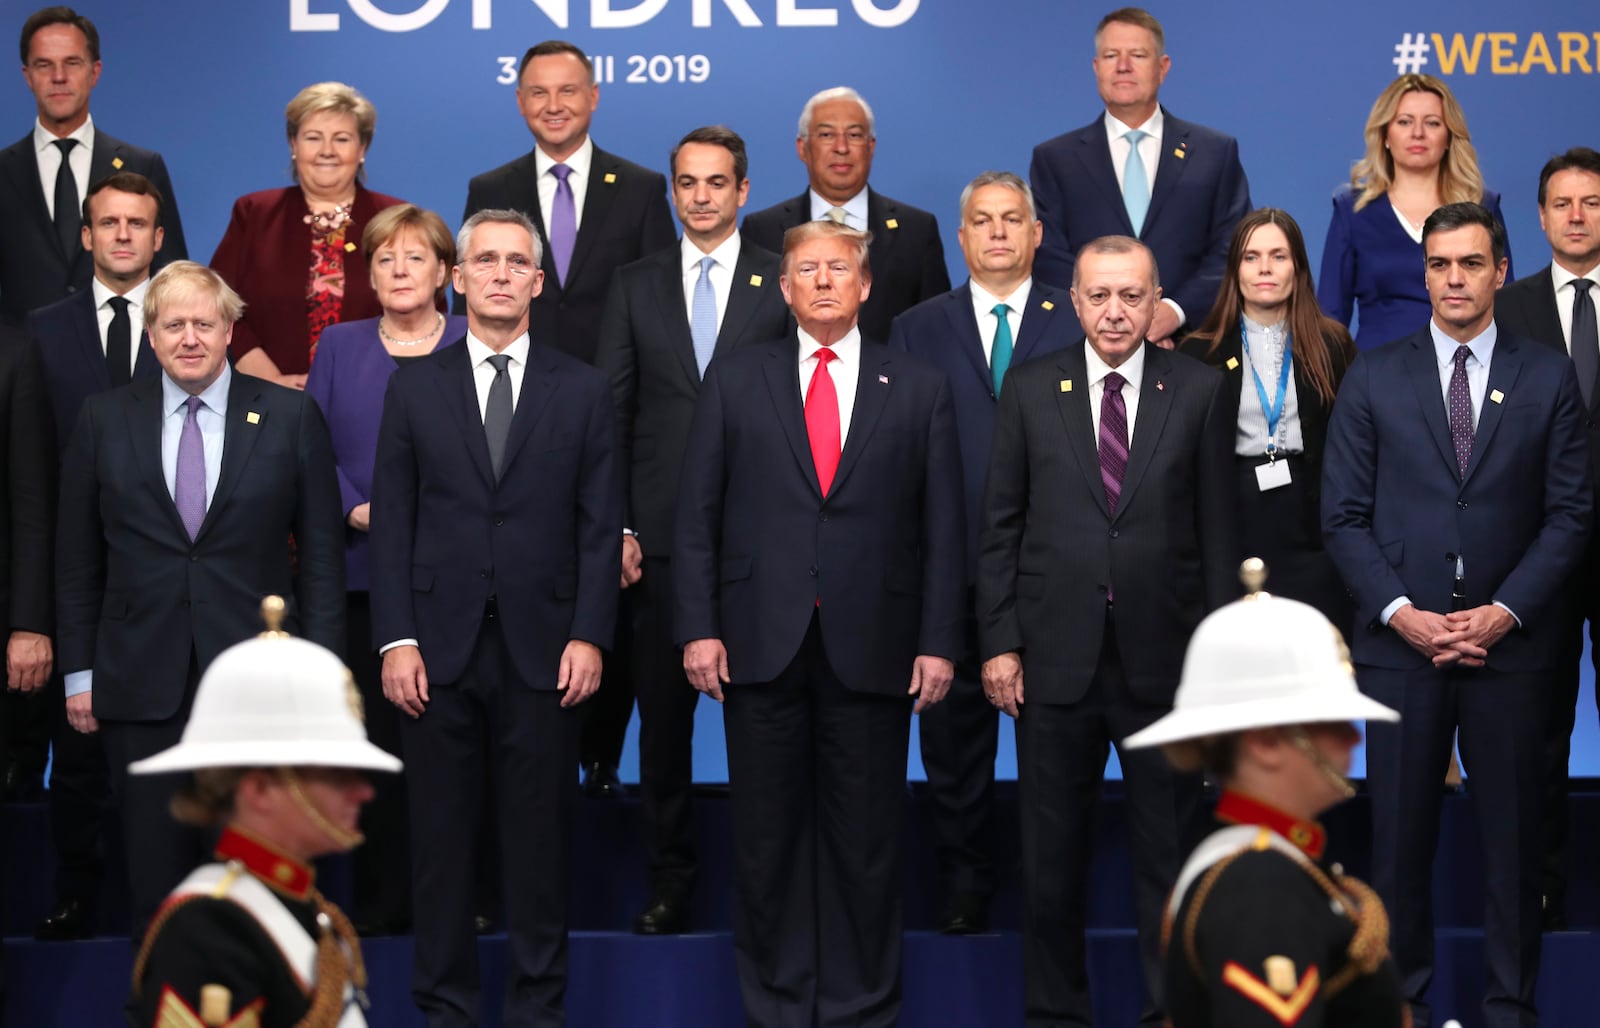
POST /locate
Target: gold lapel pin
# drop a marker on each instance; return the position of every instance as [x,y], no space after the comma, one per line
[1233,363]
[892,223]
[1048,305]
[116,162]
[253,418]
[1497,396]
[755,280]
[1066,385]
[610,178]
[1179,153]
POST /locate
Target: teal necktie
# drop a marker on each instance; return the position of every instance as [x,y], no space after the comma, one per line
[1135,182]
[1000,352]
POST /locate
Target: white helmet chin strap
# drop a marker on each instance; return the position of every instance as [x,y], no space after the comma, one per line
[1302,742]
[343,838]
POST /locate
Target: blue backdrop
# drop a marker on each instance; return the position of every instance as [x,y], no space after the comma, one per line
[957,87]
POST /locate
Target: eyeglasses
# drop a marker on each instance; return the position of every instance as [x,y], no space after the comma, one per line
[855,138]
[489,263]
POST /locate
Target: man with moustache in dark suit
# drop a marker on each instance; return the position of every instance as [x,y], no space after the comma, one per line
[818,592]
[1106,538]
[998,318]
[668,317]
[594,212]
[836,143]
[1556,307]
[92,341]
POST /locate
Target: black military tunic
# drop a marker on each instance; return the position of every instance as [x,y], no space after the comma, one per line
[1263,937]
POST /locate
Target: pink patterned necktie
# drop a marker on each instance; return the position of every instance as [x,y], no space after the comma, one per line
[1113,439]
[1461,410]
[189,487]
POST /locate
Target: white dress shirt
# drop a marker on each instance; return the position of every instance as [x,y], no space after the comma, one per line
[1562,279]
[1149,152]
[103,315]
[1132,369]
[983,303]
[580,163]
[49,158]
[478,354]
[845,371]
[726,256]
[855,210]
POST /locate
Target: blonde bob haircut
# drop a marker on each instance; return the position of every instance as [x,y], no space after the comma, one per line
[331,98]
[1460,181]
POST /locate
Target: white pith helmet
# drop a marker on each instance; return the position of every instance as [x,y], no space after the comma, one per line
[1262,662]
[273,701]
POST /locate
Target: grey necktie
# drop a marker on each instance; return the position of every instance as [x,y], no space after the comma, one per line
[497,412]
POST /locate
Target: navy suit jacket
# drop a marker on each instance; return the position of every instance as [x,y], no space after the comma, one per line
[906,257]
[759,550]
[1527,307]
[1396,511]
[543,539]
[1200,193]
[944,332]
[68,334]
[136,597]
[625,217]
[34,270]
[348,380]
[27,491]
[648,353]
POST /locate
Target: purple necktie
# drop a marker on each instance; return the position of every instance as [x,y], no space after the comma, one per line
[1113,439]
[563,222]
[189,489]
[1461,410]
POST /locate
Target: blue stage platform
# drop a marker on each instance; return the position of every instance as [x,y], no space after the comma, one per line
[627,982]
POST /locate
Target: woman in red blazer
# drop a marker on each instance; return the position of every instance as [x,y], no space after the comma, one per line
[294,254]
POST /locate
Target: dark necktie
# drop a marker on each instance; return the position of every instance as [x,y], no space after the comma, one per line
[189,484]
[563,223]
[1585,339]
[119,343]
[69,221]
[822,420]
[1460,397]
[1113,439]
[497,412]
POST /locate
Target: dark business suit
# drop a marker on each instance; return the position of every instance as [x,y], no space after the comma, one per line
[1050,558]
[625,217]
[456,555]
[68,333]
[823,605]
[907,256]
[1527,307]
[960,735]
[647,351]
[1200,193]
[1397,514]
[147,610]
[34,270]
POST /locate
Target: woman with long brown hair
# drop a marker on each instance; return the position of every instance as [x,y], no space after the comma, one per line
[1283,359]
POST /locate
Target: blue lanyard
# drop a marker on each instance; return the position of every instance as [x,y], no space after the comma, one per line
[1274,410]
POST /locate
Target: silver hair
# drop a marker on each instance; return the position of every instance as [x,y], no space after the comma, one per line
[836,93]
[997,178]
[501,216]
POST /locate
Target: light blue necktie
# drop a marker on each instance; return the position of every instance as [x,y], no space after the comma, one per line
[1135,183]
[1000,352]
[703,317]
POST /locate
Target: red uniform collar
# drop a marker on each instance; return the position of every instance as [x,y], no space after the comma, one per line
[274,867]
[1239,809]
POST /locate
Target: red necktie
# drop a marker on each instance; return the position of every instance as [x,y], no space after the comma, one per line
[822,420]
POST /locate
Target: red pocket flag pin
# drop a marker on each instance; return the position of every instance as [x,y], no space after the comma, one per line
[884,379]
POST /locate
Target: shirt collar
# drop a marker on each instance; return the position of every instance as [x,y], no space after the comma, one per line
[214,396]
[1237,808]
[1560,277]
[103,293]
[726,254]
[1116,128]
[479,351]
[1444,348]
[1132,369]
[848,348]
[84,134]
[579,162]
[274,867]
[1017,301]
[856,207]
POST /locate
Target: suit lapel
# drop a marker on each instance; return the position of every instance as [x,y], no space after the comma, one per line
[145,418]
[1169,168]
[538,386]
[782,371]
[86,336]
[145,364]
[1155,403]
[1504,367]
[1072,402]
[668,290]
[872,394]
[23,174]
[1096,161]
[1041,311]
[744,296]
[605,179]
[964,329]
[454,369]
[240,433]
[1423,368]
[883,223]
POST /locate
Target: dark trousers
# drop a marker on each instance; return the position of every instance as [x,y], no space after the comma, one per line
[383,862]
[1584,605]
[1502,718]
[817,779]
[80,789]
[608,711]
[159,851]
[1061,760]
[25,743]
[666,731]
[490,723]
[959,737]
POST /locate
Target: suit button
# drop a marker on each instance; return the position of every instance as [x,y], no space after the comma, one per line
[1462,504]
[813,571]
[483,572]
[499,521]
[1113,533]
[194,556]
[72,289]
[823,516]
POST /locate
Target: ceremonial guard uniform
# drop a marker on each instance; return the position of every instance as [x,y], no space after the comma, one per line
[1260,930]
[248,942]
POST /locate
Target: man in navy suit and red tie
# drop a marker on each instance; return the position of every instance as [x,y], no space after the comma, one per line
[817,575]
[1137,171]
[998,318]
[1456,503]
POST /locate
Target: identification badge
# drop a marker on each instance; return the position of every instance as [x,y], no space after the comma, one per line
[1272,475]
